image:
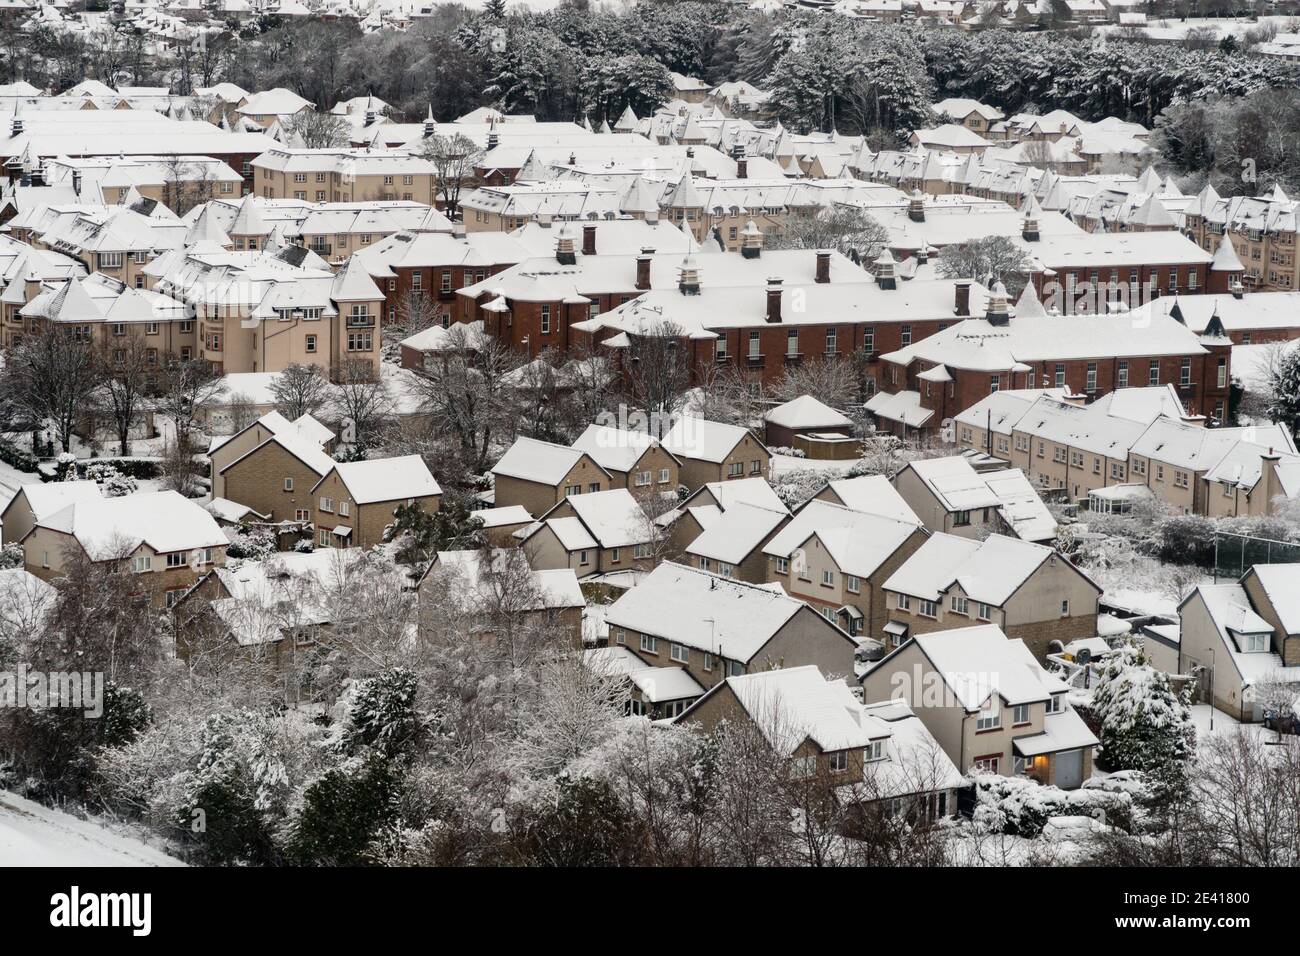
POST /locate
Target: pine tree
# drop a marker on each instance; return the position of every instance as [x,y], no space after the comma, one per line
[1284,390]
[1145,724]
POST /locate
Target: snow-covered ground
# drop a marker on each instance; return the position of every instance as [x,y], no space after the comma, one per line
[784,464]
[1173,29]
[33,835]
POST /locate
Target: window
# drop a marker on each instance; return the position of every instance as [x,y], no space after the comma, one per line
[642,478]
[584,558]
[664,476]
[961,518]
[1055,703]
[546,320]
[1020,765]
[928,608]
[1091,382]
[1065,608]
[803,767]
[756,467]
[852,583]
[345,509]
[830,342]
[874,751]
[736,469]
[649,644]
[679,652]
[141,563]
[754,343]
[988,764]
[828,578]
[641,551]
[324,538]
[288,484]
[1185,372]
[327,504]
[990,717]
[782,565]
[839,761]
[359,341]
[1153,374]
[310,343]
[1020,714]
[869,338]
[176,559]
[905,334]
[1122,377]
[110,260]
[904,602]
[985,612]
[735,669]
[1060,375]
[726,570]
[1221,376]
[1256,642]
[301,514]
[995,382]
[960,604]
[792,343]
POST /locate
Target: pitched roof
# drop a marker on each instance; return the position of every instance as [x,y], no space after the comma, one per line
[858,542]
[806,412]
[114,527]
[704,611]
[989,571]
[737,532]
[541,461]
[387,479]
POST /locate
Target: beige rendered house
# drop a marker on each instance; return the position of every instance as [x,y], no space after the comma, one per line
[989,704]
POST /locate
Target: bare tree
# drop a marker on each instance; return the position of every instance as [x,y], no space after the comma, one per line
[185,388]
[991,259]
[833,381]
[465,395]
[128,370]
[51,375]
[845,229]
[318,130]
[300,389]
[454,158]
[658,371]
[360,402]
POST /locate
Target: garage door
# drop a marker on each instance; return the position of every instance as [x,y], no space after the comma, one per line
[1069,769]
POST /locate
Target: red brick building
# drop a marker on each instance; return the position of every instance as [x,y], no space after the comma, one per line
[927,383]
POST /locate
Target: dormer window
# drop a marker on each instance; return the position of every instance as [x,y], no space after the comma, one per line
[1055,704]
[873,751]
[1254,643]
[839,761]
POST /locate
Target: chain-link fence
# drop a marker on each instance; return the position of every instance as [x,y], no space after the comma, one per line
[1234,554]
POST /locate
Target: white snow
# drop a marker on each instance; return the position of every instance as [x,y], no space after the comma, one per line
[34,835]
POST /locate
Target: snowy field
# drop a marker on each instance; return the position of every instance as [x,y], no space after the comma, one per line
[33,835]
[1173,29]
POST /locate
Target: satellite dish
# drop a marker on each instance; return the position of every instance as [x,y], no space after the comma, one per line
[1083,657]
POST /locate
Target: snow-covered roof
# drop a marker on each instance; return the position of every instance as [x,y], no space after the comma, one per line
[616,449]
[613,518]
[873,494]
[988,571]
[387,479]
[540,461]
[108,528]
[858,542]
[656,684]
[45,498]
[710,613]
[476,581]
[737,532]
[807,413]
[1281,584]
[705,440]
[978,662]
[795,704]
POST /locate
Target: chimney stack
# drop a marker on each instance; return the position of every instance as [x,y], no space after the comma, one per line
[742,168]
[492,140]
[961,291]
[751,241]
[643,269]
[1029,231]
[823,265]
[916,207]
[588,240]
[774,300]
[1236,288]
